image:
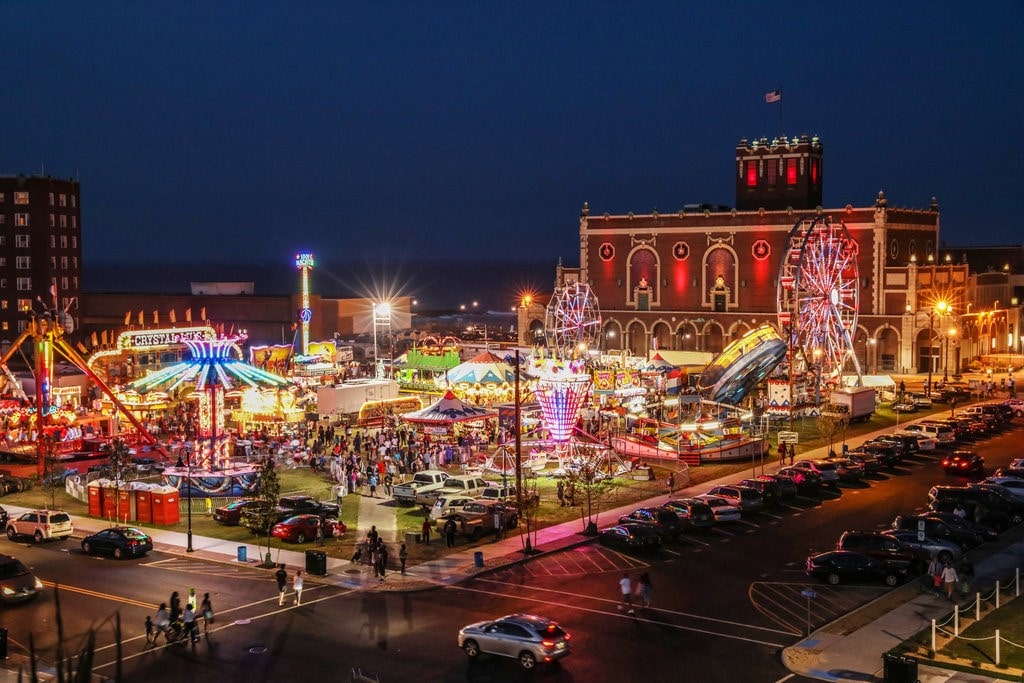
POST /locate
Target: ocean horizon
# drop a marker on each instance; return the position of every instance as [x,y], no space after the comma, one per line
[437,286]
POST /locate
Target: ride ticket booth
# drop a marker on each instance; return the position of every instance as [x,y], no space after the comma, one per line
[164,503]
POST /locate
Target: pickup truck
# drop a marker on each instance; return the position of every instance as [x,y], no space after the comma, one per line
[469,485]
[288,506]
[476,519]
[415,492]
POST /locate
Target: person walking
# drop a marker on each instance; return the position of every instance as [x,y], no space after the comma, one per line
[162,621]
[188,619]
[175,607]
[282,583]
[626,588]
[206,611]
[935,573]
[671,484]
[150,637]
[949,579]
[792,454]
[449,532]
[382,561]
[782,452]
[297,586]
[644,589]
[403,555]
[560,492]
[425,532]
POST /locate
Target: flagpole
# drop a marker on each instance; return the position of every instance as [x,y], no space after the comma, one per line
[782,131]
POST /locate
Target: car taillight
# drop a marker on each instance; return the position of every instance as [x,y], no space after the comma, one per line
[548,643]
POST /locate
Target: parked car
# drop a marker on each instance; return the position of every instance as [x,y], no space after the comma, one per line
[3,516]
[926,547]
[663,520]
[787,487]
[17,584]
[880,545]
[869,460]
[119,541]
[982,531]
[743,497]
[973,511]
[963,462]
[722,508]
[302,528]
[823,468]
[940,528]
[694,514]
[40,525]
[848,470]
[838,566]
[231,514]
[530,639]
[1015,406]
[447,505]
[630,536]
[769,489]
[905,406]
[806,481]
[921,400]
[1012,485]
[903,443]
[925,442]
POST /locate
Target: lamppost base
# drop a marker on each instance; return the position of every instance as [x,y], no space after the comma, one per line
[189,549]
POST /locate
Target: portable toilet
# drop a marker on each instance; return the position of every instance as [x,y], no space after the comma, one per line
[143,505]
[95,499]
[164,503]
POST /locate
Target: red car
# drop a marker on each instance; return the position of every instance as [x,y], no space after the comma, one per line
[302,528]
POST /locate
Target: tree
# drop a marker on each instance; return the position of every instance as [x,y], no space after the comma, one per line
[53,474]
[589,481]
[121,469]
[269,491]
[830,422]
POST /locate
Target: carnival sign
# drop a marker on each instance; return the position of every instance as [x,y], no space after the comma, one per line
[151,339]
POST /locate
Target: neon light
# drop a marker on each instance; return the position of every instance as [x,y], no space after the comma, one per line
[155,339]
[304,262]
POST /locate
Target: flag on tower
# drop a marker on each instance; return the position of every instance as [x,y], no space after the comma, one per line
[773,96]
[174,318]
[127,318]
[188,315]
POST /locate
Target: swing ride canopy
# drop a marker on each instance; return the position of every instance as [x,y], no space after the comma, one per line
[212,363]
[658,364]
[448,410]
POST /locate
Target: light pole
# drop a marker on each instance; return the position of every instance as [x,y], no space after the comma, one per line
[945,363]
[188,492]
[941,307]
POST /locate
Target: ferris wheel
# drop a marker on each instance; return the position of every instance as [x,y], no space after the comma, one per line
[572,320]
[818,294]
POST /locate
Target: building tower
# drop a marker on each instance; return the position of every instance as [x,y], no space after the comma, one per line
[40,251]
[778,174]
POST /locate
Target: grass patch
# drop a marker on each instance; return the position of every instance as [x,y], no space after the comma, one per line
[1009,619]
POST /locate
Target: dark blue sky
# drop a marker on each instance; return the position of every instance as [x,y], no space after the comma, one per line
[475,130]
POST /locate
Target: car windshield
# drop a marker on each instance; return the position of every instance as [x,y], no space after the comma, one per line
[11,568]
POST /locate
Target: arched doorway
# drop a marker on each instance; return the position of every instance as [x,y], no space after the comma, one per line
[612,338]
[926,358]
[535,333]
[636,342]
[886,351]
[686,337]
[714,337]
[662,335]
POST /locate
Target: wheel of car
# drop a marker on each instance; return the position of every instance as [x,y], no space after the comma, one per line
[833,578]
[10,533]
[86,548]
[471,649]
[513,523]
[38,536]
[1016,518]
[118,553]
[527,660]
[891,579]
[300,538]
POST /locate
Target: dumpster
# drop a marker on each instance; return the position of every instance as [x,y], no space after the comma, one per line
[899,668]
[241,553]
[316,562]
[478,558]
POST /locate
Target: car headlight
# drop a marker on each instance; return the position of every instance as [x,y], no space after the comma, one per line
[39,585]
[8,590]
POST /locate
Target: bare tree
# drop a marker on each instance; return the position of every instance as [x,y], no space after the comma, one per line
[588,483]
[121,469]
[265,514]
[830,422]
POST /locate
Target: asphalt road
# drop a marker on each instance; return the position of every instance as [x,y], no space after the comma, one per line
[725,603]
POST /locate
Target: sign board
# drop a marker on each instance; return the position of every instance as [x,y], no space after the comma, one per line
[789,437]
[920,530]
[809,593]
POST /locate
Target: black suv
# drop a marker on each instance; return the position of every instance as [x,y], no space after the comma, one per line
[975,512]
[882,546]
[694,514]
[980,493]
[770,490]
[904,443]
[940,528]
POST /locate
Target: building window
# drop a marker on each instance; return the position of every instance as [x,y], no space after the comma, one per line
[3,219]
[21,197]
[51,199]
[63,200]
[53,263]
[74,203]
[53,241]
[74,242]
[23,262]
[5,325]
[3,261]
[63,241]
[815,172]
[22,241]
[53,221]
[74,282]
[63,221]
[3,283]
[3,240]
[771,172]
[24,305]
[74,222]
[64,283]
[3,197]
[64,262]
[3,304]
[791,171]
[74,262]
[21,220]
[25,285]
[751,173]
[22,324]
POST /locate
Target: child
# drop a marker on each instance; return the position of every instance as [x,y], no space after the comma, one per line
[149,630]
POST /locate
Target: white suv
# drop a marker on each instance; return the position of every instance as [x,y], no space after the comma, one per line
[40,525]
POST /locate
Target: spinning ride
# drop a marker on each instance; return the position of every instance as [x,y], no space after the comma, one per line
[818,298]
[572,321]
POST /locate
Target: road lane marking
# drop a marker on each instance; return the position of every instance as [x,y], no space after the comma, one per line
[98,594]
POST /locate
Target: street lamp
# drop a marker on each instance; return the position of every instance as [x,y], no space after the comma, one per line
[188,492]
[381,315]
[941,307]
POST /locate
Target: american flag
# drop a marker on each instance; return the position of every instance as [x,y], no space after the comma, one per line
[773,96]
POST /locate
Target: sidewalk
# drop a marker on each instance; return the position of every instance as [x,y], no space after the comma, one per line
[828,654]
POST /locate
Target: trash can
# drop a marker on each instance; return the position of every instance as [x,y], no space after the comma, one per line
[3,643]
[241,553]
[899,669]
[316,562]
[478,558]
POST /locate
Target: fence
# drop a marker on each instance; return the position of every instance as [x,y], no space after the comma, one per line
[976,606]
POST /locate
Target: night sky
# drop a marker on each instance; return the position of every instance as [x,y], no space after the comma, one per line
[474,131]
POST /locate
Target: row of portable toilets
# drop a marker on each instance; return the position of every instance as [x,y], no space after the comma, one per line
[133,502]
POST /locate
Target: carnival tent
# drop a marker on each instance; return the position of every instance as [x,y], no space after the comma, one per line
[448,410]
[485,368]
[658,364]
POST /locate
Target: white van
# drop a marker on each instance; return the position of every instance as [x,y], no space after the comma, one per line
[941,433]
